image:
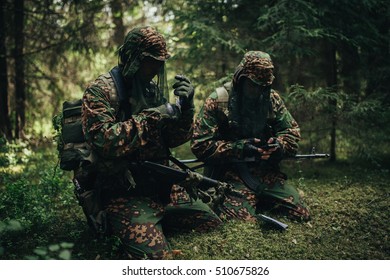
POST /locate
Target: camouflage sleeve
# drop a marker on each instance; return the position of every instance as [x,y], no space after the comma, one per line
[284,125]
[207,141]
[179,131]
[106,134]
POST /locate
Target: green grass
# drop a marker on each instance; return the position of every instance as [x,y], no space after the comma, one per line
[40,218]
[349,207]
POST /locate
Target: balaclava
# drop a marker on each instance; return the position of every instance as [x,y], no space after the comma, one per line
[248,114]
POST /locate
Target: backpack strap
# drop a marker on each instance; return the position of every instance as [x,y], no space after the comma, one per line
[119,83]
[118,95]
[122,95]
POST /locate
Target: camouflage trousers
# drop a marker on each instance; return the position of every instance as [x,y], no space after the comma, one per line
[277,196]
[140,222]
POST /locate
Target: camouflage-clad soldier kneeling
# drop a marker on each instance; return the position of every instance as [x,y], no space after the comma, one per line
[140,125]
[247,119]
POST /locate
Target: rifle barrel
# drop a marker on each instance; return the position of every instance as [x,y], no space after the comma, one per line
[253,159]
[180,175]
[311,156]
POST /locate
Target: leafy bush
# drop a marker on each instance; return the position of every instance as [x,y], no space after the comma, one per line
[13,153]
[8,226]
[361,124]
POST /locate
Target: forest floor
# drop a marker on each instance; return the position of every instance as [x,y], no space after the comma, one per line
[349,203]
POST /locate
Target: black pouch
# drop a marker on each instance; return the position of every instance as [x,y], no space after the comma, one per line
[75,152]
[90,202]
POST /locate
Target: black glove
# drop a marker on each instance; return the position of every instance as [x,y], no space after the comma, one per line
[248,147]
[253,147]
[185,91]
[278,154]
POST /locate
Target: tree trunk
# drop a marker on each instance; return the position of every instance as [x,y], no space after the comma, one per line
[349,77]
[332,83]
[5,123]
[117,18]
[20,88]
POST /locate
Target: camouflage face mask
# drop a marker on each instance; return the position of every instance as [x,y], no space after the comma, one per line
[257,66]
[142,42]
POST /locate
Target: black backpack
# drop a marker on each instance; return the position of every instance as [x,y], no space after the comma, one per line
[73,151]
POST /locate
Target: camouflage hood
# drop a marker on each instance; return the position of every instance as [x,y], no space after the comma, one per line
[257,66]
[139,43]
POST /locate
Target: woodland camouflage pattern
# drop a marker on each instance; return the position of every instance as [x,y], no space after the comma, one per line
[257,66]
[215,139]
[139,43]
[137,204]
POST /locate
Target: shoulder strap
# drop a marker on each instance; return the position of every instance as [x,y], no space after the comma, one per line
[119,82]
[120,98]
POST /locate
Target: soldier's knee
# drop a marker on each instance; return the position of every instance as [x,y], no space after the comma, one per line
[142,240]
[142,252]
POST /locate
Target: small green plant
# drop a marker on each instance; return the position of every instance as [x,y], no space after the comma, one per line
[14,153]
[8,226]
[60,251]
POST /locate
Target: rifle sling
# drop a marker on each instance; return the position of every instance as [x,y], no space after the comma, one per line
[251,182]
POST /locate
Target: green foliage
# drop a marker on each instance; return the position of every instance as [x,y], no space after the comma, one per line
[29,189]
[8,226]
[355,117]
[69,43]
[29,194]
[57,125]
[287,27]
[60,251]
[13,153]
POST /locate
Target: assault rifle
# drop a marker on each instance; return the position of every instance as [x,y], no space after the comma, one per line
[213,168]
[201,182]
[312,155]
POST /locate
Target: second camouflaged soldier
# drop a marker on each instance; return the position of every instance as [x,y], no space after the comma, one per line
[246,119]
[142,125]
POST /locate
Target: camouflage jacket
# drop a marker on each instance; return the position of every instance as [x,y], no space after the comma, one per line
[213,138]
[145,135]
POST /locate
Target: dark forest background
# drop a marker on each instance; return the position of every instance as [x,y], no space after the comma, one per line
[332,62]
[332,59]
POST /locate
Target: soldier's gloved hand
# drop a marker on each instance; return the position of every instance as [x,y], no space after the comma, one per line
[185,91]
[167,111]
[277,153]
[245,148]
[250,148]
